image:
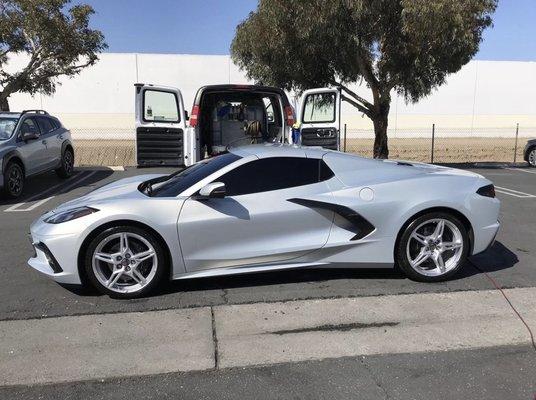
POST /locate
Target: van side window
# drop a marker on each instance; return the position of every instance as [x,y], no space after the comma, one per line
[319,107]
[160,106]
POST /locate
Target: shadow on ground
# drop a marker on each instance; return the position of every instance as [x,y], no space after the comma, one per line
[497,258]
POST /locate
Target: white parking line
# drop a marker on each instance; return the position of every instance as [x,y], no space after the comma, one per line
[512,192]
[521,170]
[16,207]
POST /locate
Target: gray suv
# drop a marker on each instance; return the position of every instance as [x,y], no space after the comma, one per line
[32,142]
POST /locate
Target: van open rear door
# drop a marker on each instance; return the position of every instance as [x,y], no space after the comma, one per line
[160,126]
[319,115]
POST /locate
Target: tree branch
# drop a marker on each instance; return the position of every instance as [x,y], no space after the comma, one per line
[360,107]
[357,97]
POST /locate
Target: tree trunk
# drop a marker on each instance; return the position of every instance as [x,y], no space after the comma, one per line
[380,134]
[4,104]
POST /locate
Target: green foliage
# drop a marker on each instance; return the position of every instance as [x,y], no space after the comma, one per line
[405,45]
[57,40]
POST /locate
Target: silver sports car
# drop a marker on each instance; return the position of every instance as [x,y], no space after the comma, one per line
[265,208]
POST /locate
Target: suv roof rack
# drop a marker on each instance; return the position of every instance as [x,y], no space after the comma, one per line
[34,111]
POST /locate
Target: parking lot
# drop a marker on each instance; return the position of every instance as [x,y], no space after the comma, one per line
[25,294]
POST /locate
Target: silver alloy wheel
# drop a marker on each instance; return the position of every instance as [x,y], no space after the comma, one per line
[532,158]
[435,247]
[15,180]
[124,262]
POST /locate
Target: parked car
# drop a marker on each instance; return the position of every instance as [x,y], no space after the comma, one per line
[228,115]
[32,142]
[265,208]
[530,152]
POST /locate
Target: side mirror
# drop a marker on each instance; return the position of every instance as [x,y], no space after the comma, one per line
[214,190]
[29,135]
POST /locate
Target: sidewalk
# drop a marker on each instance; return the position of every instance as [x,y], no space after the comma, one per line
[105,346]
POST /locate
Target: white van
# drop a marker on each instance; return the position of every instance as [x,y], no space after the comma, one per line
[227,115]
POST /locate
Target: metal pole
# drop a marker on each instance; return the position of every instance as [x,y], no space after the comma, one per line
[344,138]
[515,148]
[433,140]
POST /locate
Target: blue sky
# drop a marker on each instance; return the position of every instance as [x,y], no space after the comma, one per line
[207,26]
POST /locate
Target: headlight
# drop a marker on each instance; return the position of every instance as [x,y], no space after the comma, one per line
[68,215]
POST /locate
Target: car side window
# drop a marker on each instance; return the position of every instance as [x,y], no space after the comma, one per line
[274,173]
[29,125]
[45,125]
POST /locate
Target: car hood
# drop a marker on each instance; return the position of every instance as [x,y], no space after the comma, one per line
[121,189]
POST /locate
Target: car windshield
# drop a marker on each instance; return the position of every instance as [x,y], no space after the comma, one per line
[7,125]
[175,184]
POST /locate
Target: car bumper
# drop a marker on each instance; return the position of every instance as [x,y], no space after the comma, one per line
[55,255]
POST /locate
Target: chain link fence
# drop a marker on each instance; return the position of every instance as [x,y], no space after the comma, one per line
[444,145]
[116,146]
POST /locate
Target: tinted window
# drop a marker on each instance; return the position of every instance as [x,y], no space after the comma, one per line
[29,125]
[55,124]
[160,106]
[319,107]
[179,182]
[45,125]
[274,173]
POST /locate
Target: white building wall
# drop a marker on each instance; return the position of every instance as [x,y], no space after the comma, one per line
[485,98]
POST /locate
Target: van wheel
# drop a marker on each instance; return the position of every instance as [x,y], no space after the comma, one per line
[13,180]
[67,164]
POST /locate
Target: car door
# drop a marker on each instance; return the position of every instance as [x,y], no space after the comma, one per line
[33,151]
[255,223]
[161,137]
[319,117]
[51,140]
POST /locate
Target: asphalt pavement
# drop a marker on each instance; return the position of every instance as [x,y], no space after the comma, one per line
[504,372]
[24,293]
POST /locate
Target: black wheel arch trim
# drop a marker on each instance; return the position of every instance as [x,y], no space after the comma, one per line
[362,225]
[8,157]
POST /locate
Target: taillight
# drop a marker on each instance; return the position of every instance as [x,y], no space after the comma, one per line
[487,191]
[194,116]
[289,115]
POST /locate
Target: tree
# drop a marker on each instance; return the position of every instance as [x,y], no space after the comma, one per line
[57,41]
[407,46]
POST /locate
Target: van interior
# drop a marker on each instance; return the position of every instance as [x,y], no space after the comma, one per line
[237,118]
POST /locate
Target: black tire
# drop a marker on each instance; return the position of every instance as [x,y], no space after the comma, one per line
[67,164]
[531,157]
[13,180]
[401,256]
[161,268]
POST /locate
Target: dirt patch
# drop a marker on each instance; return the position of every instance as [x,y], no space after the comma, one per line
[446,150]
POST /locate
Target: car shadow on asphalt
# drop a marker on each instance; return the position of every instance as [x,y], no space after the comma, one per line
[497,258]
[49,184]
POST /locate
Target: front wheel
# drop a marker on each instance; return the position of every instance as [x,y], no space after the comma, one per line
[13,180]
[125,262]
[433,247]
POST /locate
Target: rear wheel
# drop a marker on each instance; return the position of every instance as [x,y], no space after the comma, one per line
[433,247]
[125,262]
[67,164]
[532,157]
[13,180]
